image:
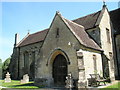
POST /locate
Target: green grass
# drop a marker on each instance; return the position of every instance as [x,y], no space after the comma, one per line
[115,86]
[16,84]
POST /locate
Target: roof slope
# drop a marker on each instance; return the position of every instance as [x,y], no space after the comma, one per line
[82,36]
[88,21]
[115,18]
[33,38]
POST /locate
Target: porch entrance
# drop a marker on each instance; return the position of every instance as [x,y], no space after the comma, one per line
[59,70]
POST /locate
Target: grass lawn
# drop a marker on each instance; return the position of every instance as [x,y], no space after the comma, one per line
[115,86]
[16,84]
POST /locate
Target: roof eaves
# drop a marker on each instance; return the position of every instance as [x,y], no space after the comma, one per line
[31,43]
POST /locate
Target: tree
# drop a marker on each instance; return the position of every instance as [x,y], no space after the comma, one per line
[0,68]
[0,63]
[5,67]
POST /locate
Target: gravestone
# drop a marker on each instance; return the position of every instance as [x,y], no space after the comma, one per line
[7,79]
[69,81]
[25,79]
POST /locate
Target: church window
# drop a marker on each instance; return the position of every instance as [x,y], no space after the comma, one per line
[57,33]
[95,63]
[108,35]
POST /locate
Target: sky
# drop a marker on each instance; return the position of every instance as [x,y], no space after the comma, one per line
[19,17]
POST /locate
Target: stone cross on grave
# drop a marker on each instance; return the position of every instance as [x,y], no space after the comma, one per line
[7,79]
[69,81]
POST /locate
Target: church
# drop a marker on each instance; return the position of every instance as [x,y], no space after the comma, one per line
[84,46]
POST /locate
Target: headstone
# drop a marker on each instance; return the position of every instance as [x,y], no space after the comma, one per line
[25,79]
[69,81]
[7,79]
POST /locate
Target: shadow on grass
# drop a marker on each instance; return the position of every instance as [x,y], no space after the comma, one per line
[28,84]
[31,85]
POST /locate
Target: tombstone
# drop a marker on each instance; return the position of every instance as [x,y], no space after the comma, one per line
[7,79]
[69,81]
[25,79]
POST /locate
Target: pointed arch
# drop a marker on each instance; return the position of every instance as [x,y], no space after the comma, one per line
[54,53]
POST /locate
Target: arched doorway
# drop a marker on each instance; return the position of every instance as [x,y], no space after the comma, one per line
[59,70]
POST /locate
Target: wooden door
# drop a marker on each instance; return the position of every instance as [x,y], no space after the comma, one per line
[59,70]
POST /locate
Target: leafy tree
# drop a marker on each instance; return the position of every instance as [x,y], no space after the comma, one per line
[0,68]
[0,63]
[5,67]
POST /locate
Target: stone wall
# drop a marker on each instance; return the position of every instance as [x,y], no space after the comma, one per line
[32,51]
[103,35]
[88,58]
[106,39]
[117,40]
[67,45]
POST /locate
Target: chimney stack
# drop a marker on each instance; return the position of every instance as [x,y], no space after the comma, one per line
[16,39]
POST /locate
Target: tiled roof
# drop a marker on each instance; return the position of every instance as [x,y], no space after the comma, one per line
[115,18]
[88,21]
[82,36]
[33,38]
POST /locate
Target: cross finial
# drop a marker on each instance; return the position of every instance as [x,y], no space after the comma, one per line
[28,31]
[57,12]
[104,4]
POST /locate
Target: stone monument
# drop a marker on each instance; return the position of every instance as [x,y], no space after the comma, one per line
[25,79]
[69,81]
[7,79]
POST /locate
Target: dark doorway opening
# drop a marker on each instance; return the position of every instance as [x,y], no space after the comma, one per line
[59,70]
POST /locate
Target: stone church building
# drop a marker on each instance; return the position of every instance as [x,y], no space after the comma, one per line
[87,45]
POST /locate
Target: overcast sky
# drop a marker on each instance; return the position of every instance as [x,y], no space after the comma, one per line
[19,17]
